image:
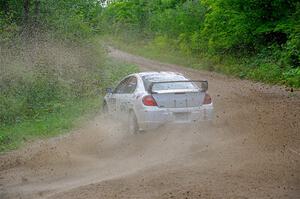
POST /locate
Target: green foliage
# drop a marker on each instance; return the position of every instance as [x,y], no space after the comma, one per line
[48,105]
[74,20]
[8,27]
[292,77]
[115,71]
[260,39]
[52,71]
[225,29]
[47,125]
[35,81]
[65,19]
[266,72]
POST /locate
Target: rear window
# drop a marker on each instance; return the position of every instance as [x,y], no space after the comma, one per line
[167,86]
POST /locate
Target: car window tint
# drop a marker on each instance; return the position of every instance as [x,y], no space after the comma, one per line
[128,85]
[121,86]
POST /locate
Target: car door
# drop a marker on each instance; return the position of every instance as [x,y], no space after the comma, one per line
[114,97]
[124,95]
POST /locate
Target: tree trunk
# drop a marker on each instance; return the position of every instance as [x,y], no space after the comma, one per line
[37,8]
[4,7]
[36,12]
[26,5]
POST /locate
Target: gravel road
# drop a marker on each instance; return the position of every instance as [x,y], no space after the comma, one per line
[250,150]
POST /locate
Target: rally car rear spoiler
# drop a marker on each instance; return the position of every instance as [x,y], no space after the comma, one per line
[203,88]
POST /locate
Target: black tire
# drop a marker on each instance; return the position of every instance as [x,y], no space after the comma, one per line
[104,108]
[132,125]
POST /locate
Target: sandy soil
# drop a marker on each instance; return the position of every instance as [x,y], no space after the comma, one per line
[251,150]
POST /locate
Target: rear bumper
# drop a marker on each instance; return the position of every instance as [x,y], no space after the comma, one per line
[154,117]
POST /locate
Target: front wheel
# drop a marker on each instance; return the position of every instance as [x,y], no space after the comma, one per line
[133,127]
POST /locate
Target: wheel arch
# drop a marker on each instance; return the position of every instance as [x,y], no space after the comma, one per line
[132,110]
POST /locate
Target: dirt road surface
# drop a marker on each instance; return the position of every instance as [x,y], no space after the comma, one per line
[251,150]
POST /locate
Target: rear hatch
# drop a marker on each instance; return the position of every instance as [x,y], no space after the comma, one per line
[177,94]
[179,99]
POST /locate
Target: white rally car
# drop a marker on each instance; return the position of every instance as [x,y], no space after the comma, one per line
[148,100]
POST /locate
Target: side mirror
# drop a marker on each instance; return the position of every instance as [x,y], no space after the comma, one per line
[109,90]
[204,86]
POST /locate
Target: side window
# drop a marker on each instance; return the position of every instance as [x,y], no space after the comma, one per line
[128,85]
[121,86]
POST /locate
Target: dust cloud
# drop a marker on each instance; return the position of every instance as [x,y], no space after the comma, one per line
[102,149]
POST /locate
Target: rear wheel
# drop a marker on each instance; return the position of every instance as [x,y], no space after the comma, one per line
[133,127]
[105,108]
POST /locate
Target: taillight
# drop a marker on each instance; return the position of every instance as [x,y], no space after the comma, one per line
[148,100]
[207,99]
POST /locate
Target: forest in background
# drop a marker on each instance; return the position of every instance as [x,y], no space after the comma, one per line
[254,39]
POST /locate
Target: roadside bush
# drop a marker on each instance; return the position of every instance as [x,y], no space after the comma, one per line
[292,77]
[47,84]
[43,73]
[267,73]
